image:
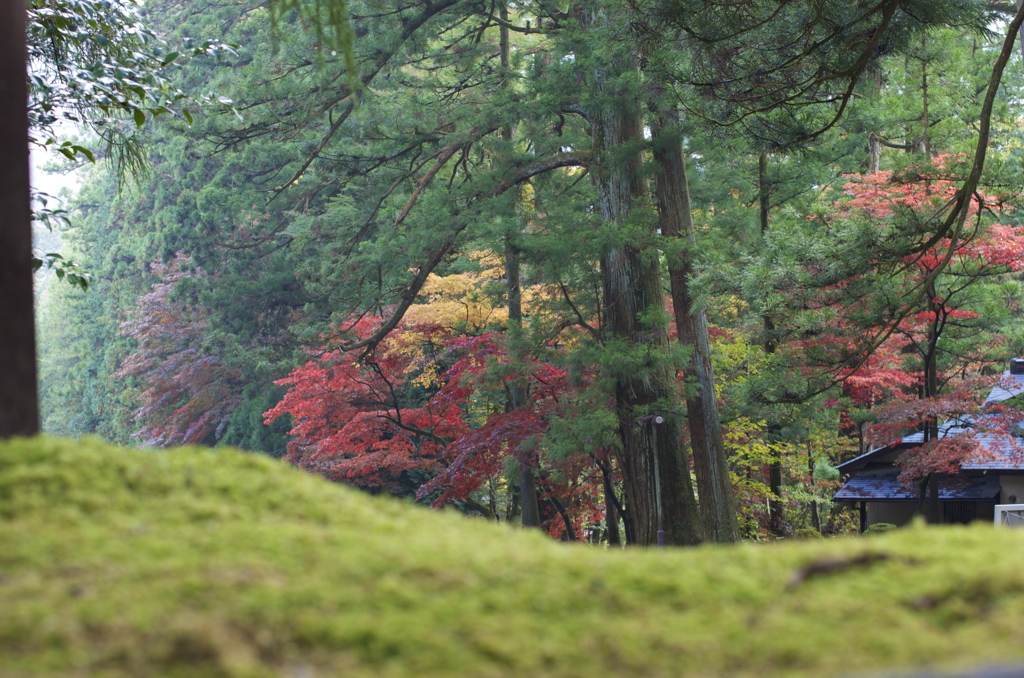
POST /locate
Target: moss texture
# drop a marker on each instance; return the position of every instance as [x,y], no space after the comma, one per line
[193,562]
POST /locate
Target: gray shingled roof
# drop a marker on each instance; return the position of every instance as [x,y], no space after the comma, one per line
[1009,386]
[997,453]
[883,485]
[952,427]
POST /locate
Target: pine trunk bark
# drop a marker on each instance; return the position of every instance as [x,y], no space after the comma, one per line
[717,506]
[19,398]
[653,464]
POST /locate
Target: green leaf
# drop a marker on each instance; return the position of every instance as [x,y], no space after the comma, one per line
[85,151]
[140,118]
[188,116]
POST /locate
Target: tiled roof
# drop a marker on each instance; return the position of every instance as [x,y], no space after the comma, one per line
[952,427]
[996,453]
[882,485]
[1009,386]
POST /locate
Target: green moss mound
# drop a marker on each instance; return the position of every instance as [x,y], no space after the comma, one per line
[193,562]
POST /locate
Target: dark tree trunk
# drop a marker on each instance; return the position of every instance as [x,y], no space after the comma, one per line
[717,507]
[19,402]
[632,291]
[926,146]
[775,506]
[928,499]
[611,511]
[517,391]
[1021,31]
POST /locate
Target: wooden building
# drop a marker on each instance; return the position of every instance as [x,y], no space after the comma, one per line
[994,474]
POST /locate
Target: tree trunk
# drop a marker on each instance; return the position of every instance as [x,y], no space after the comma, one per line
[517,392]
[632,297]
[874,143]
[611,512]
[19,399]
[875,153]
[717,507]
[775,506]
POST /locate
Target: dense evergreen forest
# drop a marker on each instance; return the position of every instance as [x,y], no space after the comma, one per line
[627,272]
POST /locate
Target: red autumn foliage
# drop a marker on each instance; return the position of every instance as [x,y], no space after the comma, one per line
[367,424]
[972,430]
[897,362]
[349,423]
[912,198]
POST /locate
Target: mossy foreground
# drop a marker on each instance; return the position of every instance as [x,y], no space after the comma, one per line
[192,562]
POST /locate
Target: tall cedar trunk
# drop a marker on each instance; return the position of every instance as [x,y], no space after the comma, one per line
[775,505]
[517,392]
[930,388]
[19,398]
[632,290]
[717,507]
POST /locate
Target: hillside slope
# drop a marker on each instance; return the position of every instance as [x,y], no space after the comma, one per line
[117,562]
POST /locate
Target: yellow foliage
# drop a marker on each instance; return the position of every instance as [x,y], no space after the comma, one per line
[734,360]
[458,303]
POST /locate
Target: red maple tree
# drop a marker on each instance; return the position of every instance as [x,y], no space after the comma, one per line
[886,342]
[373,423]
